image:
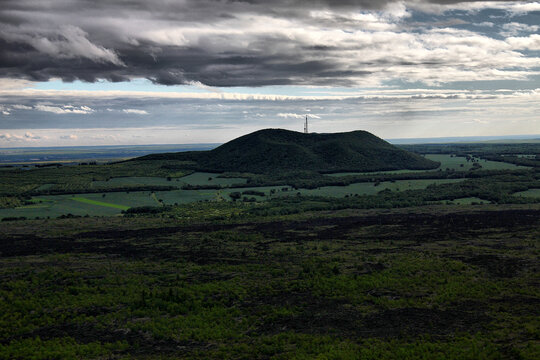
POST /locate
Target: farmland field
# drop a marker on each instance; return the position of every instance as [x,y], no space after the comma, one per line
[57,205]
[447,162]
[366,188]
[370,188]
[100,203]
[455,163]
[535,193]
[115,202]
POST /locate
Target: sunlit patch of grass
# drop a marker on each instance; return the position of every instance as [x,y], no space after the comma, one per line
[99,203]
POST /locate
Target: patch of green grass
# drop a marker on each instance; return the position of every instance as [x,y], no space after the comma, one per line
[57,205]
[447,161]
[456,162]
[100,203]
[535,193]
[371,189]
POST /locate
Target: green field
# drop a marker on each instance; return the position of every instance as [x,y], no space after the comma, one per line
[57,205]
[447,162]
[366,188]
[112,203]
[371,189]
[81,204]
[535,193]
[454,163]
[185,196]
[99,203]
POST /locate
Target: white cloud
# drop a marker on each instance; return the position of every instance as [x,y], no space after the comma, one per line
[518,7]
[4,110]
[13,84]
[28,135]
[69,137]
[105,137]
[480,121]
[21,107]
[297,116]
[135,111]
[330,94]
[514,28]
[65,109]
[290,115]
[8,137]
[531,42]
[512,7]
[485,24]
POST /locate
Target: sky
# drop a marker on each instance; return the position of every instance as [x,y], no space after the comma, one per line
[97,72]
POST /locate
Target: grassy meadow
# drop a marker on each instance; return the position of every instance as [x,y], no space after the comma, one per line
[534,193]
[447,161]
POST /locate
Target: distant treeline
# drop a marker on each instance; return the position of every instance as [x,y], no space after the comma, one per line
[513,159]
[474,148]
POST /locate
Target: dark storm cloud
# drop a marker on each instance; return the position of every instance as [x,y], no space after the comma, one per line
[216,43]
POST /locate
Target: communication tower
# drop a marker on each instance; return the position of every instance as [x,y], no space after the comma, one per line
[306,126]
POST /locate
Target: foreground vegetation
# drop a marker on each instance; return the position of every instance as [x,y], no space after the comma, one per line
[223,280]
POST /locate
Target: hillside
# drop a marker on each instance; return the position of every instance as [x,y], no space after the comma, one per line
[273,150]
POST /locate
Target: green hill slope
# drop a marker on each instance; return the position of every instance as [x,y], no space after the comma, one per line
[272,150]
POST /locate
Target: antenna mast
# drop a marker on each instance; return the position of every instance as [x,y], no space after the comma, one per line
[306,126]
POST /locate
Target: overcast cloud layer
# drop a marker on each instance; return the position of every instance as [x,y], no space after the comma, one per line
[349,59]
[257,43]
